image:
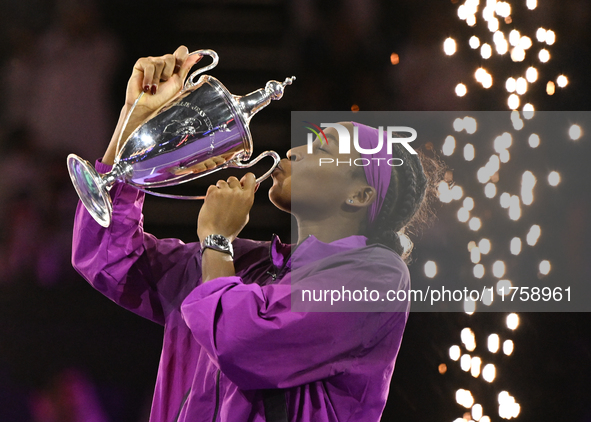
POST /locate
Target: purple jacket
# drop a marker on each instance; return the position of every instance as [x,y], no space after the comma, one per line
[227,339]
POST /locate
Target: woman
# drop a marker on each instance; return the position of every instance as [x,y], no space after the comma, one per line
[233,350]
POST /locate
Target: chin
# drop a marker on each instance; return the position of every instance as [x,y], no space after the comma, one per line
[279,198]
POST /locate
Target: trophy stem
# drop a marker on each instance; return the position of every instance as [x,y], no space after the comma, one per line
[92,189]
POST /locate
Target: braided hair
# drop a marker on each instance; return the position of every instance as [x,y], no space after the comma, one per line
[407,203]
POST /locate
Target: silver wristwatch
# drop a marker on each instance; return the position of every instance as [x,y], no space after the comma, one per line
[217,242]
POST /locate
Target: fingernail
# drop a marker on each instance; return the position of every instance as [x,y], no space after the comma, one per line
[257,187]
[153,90]
[146,88]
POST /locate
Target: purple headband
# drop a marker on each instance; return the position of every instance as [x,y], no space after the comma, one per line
[378,173]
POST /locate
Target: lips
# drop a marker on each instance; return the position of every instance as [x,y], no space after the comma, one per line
[280,167]
[276,170]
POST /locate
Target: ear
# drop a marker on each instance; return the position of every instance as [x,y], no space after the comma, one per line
[362,197]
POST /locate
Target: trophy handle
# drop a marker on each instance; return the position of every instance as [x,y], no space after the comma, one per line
[230,164]
[237,164]
[190,83]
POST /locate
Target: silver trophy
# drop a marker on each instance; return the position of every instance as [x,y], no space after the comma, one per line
[203,122]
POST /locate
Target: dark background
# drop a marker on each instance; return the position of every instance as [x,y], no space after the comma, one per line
[60,341]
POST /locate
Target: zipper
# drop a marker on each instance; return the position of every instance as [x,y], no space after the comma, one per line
[217,396]
[178,415]
[277,272]
[273,273]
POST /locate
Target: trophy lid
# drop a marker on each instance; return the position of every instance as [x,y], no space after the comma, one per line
[250,104]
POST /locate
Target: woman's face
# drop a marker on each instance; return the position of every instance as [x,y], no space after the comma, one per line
[307,188]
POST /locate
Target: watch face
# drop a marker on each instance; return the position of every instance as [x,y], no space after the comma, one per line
[220,240]
[219,243]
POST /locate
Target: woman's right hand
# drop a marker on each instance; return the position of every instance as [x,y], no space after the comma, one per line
[160,78]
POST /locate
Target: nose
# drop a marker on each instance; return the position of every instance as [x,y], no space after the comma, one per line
[294,154]
[291,155]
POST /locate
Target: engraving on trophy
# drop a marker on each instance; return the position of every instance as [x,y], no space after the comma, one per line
[187,126]
[199,111]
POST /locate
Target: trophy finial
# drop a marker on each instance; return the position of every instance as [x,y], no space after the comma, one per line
[255,101]
[275,88]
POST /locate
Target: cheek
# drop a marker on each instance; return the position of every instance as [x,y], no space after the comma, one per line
[320,186]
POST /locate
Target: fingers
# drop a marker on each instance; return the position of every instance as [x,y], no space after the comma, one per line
[234,183]
[180,56]
[153,70]
[169,67]
[213,162]
[187,63]
[208,164]
[222,184]
[248,182]
[145,70]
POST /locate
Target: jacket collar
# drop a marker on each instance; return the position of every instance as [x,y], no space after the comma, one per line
[310,249]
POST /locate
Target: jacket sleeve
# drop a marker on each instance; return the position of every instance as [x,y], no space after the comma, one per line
[132,268]
[258,342]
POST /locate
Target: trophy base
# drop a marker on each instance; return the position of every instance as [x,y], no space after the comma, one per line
[91,189]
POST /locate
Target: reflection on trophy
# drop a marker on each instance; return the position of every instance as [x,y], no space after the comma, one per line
[201,125]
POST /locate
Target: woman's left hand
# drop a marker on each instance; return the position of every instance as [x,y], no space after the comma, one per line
[226,207]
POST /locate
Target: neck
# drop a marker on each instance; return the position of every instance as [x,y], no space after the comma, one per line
[327,230]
